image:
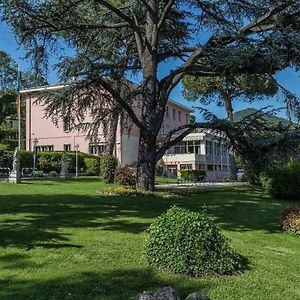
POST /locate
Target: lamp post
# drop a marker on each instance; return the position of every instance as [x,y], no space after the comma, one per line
[35,142]
[76,168]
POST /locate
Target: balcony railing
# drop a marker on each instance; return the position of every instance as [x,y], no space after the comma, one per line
[185,157]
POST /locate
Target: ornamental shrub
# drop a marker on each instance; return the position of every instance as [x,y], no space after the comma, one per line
[189,243]
[108,166]
[283,182]
[159,170]
[92,166]
[291,220]
[125,176]
[192,175]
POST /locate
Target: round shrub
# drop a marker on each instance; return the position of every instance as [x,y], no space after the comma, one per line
[291,220]
[189,243]
[125,176]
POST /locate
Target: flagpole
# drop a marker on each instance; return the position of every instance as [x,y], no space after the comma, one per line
[19,107]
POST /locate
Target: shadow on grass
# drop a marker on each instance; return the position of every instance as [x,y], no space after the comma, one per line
[113,285]
[15,261]
[36,220]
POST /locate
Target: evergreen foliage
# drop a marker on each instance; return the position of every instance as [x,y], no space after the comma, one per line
[283,182]
[189,243]
[193,175]
[108,166]
[92,166]
[224,90]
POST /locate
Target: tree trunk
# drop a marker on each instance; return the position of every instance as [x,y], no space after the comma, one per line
[112,133]
[146,162]
[228,107]
[229,110]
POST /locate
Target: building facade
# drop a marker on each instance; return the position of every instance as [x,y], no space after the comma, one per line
[199,151]
[49,136]
[196,151]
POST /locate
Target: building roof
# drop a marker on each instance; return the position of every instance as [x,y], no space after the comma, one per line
[62,85]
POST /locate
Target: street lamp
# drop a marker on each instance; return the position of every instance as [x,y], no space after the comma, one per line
[76,148]
[35,142]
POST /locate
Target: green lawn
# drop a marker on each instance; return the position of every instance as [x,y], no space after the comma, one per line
[166,180]
[65,241]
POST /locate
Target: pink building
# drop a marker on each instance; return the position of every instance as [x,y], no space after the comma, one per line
[197,151]
[59,137]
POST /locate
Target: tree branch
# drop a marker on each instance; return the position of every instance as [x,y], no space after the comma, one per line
[257,26]
[169,142]
[165,13]
[117,11]
[116,95]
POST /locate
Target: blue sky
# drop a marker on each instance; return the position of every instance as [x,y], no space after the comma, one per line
[288,78]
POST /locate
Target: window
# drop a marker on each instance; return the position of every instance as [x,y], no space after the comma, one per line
[167,111]
[187,119]
[210,167]
[174,114]
[67,124]
[217,148]
[191,147]
[224,151]
[97,149]
[67,147]
[44,148]
[209,148]
[200,167]
[179,116]
[180,148]
[197,147]
[186,167]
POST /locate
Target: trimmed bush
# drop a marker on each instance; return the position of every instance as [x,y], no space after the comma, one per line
[108,166]
[192,175]
[92,166]
[49,160]
[125,176]
[189,243]
[291,220]
[284,181]
[159,170]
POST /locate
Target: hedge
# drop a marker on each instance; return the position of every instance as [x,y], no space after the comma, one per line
[192,175]
[50,161]
[283,182]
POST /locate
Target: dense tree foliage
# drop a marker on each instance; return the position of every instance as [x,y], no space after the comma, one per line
[116,38]
[224,90]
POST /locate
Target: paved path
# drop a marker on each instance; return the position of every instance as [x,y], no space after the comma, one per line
[200,185]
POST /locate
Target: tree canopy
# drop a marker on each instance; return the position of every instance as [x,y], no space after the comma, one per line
[223,90]
[112,38]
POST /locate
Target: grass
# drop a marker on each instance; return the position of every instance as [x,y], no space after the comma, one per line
[62,240]
[165,180]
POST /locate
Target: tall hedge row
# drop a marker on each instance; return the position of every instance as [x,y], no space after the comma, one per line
[51,161]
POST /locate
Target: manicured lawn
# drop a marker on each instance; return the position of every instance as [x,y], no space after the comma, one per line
[165,180]
[65,241]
